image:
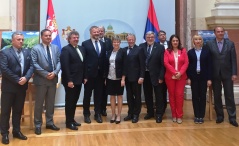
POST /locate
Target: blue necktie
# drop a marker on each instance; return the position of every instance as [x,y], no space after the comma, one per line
[97,48]
[148,55]
[49,59]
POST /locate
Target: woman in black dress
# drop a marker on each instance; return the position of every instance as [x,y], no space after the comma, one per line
[115,80]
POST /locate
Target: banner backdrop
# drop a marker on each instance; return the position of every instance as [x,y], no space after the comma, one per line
[117,16]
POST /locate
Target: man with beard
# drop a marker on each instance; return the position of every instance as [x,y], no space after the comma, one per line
[95,72]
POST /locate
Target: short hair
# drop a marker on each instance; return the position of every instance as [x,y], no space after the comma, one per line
[150,32]
[16,33]
[116,38]
[131,34]
[92,27]
[161,31]
[73,32]
[197,37]
[102,27]
[170,46]
[218,27]
[45,30]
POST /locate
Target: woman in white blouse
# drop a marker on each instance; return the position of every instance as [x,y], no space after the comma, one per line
[115,80]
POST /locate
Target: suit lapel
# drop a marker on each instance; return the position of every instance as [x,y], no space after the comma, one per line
[153,50]
[15,55]
[25,58]
[44,52]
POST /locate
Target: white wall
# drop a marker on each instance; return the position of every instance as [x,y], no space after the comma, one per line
[81,14]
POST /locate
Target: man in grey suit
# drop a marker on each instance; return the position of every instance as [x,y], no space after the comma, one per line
[46,62]
[224,72]
[17,69]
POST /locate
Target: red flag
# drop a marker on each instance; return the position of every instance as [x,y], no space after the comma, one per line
[152,22]
[52,25]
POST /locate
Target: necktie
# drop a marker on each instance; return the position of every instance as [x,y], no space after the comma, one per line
[97,48]
[80,54]
[49,59]
[148,55]
[219,46]
[130,49]
[20,59]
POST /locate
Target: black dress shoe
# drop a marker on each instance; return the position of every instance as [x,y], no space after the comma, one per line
[135,119]
[87,119]
[158,119]
[127,118]
[148,116]
[98,118]
[71,126]
[219,120]
[76,124]
[52,127]
[5,139]
[234,123]
[112,121]
[19,135]
[104,113]
[117,122]
[38,130]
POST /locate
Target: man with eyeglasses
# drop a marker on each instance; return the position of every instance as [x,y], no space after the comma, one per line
[17,69]
[154,76]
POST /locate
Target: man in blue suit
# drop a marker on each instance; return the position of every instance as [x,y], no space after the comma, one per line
[95,72]
[17,69]
[46,62]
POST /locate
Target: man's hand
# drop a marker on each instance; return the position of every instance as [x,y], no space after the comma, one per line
[85,81]
[50,76]
[22,81]
[234,77]
[70,84]
[141,80]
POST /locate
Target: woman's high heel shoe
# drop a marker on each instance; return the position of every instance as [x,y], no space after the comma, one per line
[112,121]
[117,122]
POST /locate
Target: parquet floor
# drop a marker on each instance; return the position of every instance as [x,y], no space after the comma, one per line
[143,133]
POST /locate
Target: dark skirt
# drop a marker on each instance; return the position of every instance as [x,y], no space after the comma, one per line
[114,87]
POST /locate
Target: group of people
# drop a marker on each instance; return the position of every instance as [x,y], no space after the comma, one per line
[104,68]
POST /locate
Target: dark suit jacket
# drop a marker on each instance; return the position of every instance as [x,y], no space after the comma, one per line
[224,63]
[108,44]
[205,64]
[134,64]
[93,62]
[156,62]
[11,69]
[119,63]
[71,65]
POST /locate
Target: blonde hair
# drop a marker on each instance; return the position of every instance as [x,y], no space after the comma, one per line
[197,37]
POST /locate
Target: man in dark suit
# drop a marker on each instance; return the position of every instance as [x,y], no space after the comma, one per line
[134,72]
[95,72]
[109,47]
[154,76]
[72,66]
[17,69]
[46,62]
[224,72]
[162,40]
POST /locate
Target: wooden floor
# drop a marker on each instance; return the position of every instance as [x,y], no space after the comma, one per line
[143,133]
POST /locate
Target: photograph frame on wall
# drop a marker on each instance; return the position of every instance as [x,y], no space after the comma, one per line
[31,38]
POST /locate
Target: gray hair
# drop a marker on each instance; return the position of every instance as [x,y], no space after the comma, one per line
[16,33]
[116,38]
[73,32]
[102,27]
[131,34]
[150,32]
[92,27]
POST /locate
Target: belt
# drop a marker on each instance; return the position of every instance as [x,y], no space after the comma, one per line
[198,72]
